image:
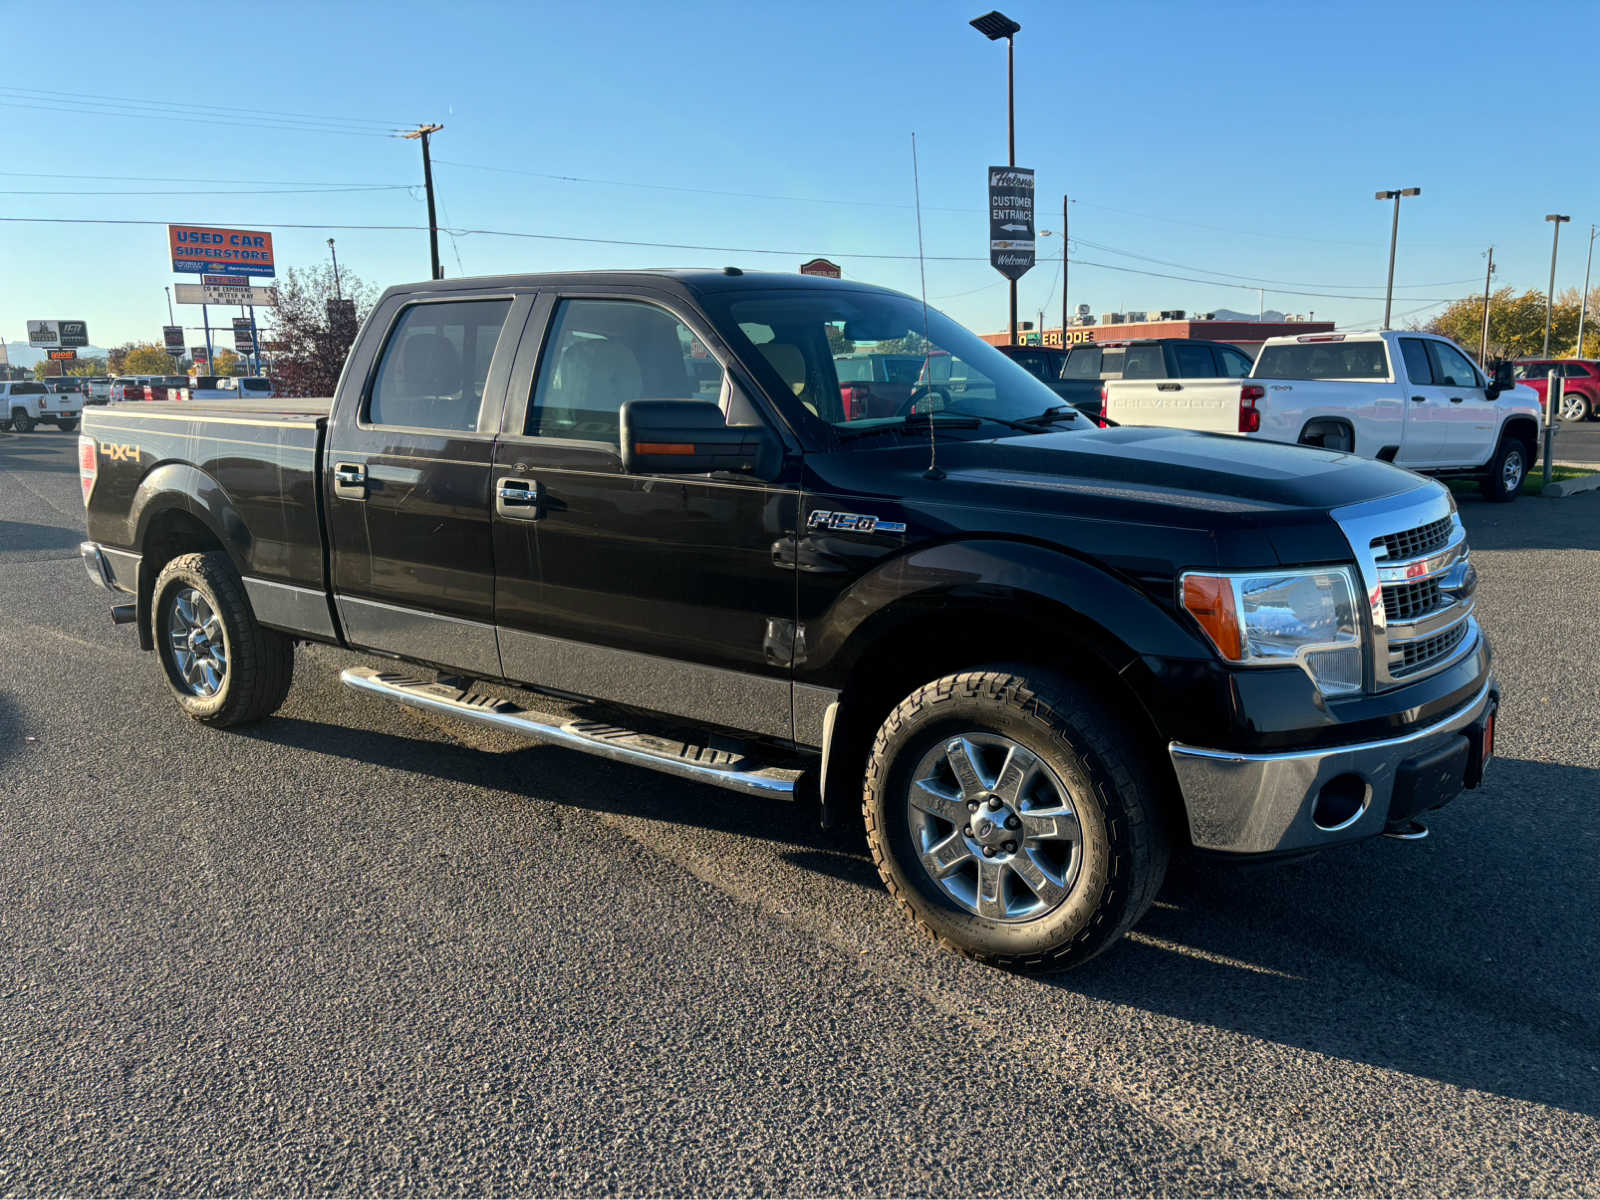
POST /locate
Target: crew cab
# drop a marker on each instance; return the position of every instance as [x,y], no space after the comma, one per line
[1085,373]
[1579,386]
[25,405]
[1040,656]
[1414,399]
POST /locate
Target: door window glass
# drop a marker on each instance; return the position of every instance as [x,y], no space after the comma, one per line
[1144,362]
[1418,368]
[602,353]
[434,368]
[1235,364]
[1450,366]
[1194,362]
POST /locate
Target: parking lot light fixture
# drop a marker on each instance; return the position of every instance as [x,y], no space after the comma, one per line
[1394,234]
[994,26]
[1558,220]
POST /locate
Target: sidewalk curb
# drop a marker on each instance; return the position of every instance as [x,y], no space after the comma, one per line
[1572,487]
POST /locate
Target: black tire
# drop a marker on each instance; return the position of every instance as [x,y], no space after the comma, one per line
[259,663]
[21,421]
[1121,857]
[1497,483]
[67,425]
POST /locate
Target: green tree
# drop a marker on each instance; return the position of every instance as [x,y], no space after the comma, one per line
[227,363]
[148,359]
[838,344]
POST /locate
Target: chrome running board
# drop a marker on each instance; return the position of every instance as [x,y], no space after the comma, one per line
[725,765]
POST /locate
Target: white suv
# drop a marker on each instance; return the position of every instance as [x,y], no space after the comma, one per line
[24,405]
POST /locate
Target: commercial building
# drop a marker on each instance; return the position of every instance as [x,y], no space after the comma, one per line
[1247,335]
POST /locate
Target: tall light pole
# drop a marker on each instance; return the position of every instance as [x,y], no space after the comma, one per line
[1483,344]
[1583,305]
[1394,236]
[168,291]
[337,294]
[1558,220]
[423,132]
[994,26]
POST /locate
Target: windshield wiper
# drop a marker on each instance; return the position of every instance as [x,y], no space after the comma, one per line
[1051,415]
[944,419]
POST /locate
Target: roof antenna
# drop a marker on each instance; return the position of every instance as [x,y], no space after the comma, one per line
[933,471]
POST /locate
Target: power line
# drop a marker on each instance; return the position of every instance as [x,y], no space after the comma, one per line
[191,106]
[315,191]
[185,179]
[1283,237]
[1256,279]
[161,116]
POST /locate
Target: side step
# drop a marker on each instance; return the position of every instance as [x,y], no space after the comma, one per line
[726,765]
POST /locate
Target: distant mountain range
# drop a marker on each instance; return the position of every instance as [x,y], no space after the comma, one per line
[23,355]
[1228,314]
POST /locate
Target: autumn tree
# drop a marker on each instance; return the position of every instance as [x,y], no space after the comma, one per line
[227,362]
[1516,323]
[148,359]
[315,339]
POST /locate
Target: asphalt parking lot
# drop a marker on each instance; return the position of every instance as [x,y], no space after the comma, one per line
[361,949]
[1578,442]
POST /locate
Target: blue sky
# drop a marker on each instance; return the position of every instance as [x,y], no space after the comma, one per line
[1227,140]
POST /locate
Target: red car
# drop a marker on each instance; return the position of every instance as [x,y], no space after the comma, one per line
[1580,384]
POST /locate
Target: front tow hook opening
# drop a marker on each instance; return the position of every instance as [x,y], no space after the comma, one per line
[1406,831]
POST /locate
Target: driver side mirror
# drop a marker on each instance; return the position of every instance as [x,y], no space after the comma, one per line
[691,437]
[1501,378]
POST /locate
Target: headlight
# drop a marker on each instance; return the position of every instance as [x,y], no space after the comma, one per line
[1302,618]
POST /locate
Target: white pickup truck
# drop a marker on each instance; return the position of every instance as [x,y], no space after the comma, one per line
[1413,399]
[25,404]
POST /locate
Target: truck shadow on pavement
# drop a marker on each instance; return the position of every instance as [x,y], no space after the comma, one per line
[18,536]
[1468,958]
[1531,522]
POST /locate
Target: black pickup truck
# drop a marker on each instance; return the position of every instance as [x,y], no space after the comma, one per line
[1042,656]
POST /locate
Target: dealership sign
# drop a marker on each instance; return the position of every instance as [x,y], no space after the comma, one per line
[172,336]
[63,355]
[48,335]
[199,355]
[244,335]
[1011,220]
[205,249]
[205,293]
[822,267]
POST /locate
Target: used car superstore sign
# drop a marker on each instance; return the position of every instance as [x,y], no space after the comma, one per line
[197,249]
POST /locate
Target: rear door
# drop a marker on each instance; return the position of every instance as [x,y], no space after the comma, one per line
[672,593]
[1427,425]
[407,474]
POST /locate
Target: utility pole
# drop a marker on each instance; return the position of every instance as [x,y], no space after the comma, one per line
[170,320]
[1558,220]
[423,132]
[1483,344]
[1066,311]
[1583,304]
[337,294]
[1394,236]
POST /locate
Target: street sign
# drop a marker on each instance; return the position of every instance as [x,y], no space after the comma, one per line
[61,334]
[201,293]
[244,335]
[172,335]
[1011,235]
[821,266]
[226,280]
[63,355]
[202,249]
[199,355]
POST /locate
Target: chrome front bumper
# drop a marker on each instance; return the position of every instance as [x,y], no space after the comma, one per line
[1262,803]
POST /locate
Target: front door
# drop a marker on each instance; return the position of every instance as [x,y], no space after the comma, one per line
[1472,422]
[665,592]
[407,482]
[1427,425]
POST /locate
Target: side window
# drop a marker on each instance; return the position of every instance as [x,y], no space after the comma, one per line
[1144,362]
[434,367]
[1451,368]
[1418,368]
[602,353]
[1194,362]
[1235,364]
[1032,363]
[1082,363]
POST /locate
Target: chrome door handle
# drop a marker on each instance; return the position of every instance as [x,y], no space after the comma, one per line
[515,493]
[350,481]
[517,499]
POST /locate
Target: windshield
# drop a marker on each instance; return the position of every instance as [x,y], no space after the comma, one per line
[873,344]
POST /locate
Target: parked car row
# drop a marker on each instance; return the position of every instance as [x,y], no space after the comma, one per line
[184,387]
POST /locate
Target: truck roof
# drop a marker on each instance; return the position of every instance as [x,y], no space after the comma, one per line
[698,279]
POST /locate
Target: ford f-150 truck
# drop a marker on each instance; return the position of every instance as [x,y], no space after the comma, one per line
[1414,399]
[1040,655]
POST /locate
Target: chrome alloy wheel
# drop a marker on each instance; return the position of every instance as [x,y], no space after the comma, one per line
[1512,469]
[199,653]
[1573,407]
[994,827]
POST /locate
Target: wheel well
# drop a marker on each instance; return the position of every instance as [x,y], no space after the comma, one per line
[1526,430]
[950,641]
[170,534]
[1318,424]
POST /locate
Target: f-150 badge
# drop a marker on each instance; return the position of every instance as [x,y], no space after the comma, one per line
[821,518]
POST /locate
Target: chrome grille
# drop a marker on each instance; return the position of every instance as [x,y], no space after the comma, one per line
[1408,601]
[1412,657]
[1413,543]
[1412,556]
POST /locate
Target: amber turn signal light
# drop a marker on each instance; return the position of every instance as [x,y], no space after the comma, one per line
[1209,600]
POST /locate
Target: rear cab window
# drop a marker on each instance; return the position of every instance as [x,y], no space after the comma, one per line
[1324,360]
[1194,362]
